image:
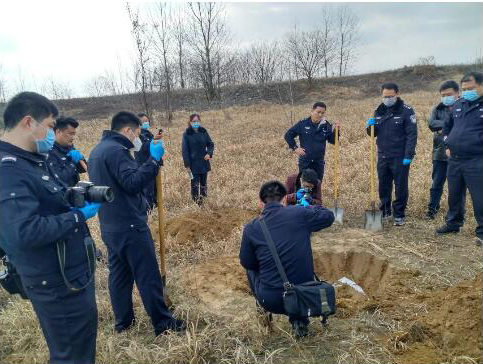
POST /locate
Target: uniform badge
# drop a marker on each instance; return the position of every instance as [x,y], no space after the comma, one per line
[9,159]
[45,178]
[413,119]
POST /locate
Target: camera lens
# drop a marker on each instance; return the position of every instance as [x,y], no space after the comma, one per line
[100,194]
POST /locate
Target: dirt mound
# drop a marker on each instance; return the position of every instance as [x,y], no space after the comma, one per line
[450,328]
[195,226]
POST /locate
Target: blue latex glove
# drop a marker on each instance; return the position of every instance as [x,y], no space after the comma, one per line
[75,155]
[300,193]
[156,150]
[90,209]
[304,202]
[407,161]
[371,121]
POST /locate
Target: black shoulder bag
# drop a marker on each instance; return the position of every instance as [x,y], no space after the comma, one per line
[308,299]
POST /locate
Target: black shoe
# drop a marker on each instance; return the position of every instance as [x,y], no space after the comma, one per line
[386,215]
[431,214]
[174,326]
[300,328]
[120,329]
[479,240]
[447,230]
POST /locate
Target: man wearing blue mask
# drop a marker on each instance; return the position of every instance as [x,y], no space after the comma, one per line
[449,91]
[36,224]
[397,133]
[142,156]
[463,136]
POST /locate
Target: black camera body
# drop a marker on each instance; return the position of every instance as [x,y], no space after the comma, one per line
[9,278]
[85,191]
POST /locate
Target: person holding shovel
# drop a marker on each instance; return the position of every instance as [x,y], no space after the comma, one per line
[396,131]
[197,149]
[313,133]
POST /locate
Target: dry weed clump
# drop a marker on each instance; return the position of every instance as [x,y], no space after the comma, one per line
[249,149]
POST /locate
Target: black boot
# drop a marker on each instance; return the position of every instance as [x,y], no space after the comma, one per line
[300,328]
[447,230]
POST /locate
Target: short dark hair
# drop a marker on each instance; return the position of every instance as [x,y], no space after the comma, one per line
[63,122]
[123,119]
[390,86]
[319,104]
[272,191]
[142,115]
[477,76]
[310,176]
[449,84]
[28,103]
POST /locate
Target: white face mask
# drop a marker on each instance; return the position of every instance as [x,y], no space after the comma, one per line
[137,144]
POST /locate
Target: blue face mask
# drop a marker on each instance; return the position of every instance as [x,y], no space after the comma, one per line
[145,125]
[448,100]
[196,125]
[45,145]
[470,95]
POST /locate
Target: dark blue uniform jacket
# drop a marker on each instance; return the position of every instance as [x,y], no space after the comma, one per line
[464,129]
[312,137]
[396,131]
[111,164]
[143,155]
[194,147]
[63,166]
[290,228]
[34,216]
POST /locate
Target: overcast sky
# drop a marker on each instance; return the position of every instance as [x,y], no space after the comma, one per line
[73,41]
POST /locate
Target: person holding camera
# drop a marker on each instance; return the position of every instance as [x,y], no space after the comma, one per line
[290,228]
[64,160]
[303,188]
[197,149]
[46,239]
[124,223]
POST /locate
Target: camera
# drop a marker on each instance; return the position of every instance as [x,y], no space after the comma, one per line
[9,278]
[85,191]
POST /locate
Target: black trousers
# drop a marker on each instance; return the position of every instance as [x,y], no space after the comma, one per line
[199,186]
[270,299]
[391,171]
[439,178]
[132,258]
[317,165]
[462,174]
[68,320]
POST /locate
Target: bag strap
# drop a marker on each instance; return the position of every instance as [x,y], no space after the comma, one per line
[286,284]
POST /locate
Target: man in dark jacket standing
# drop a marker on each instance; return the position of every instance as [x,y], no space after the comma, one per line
[396,131]
[124,227]
[143,155]
[37,224]
[463,136]
[303,188]
[197,149]
[313,133]
[64,160]
[290,228]
[449,91]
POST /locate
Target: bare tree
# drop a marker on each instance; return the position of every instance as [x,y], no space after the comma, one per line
[305,52]
[3,86]
[56,89]
[264,58]
[328,45]
[142,49]
[179,34]
[347,27]
[207,39]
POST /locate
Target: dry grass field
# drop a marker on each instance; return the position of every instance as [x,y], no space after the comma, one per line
[423,293]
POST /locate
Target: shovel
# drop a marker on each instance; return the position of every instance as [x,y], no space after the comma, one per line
[373,217]
[338,212]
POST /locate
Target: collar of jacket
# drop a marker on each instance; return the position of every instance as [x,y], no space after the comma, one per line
[147,133]
[396,109]
[270,206]
[61,149]
[118,138]
[474,102]
[21,153]
[190,130]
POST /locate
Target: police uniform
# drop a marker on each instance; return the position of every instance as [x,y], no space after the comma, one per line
[290,228]
[463,134]
[312,138]
[63,166]
[436,121]
[124,230]
[142,156]
[33,218]
[396,131]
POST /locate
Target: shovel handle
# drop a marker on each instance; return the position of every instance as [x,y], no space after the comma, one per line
[336,164]
[162,247]
[373,182]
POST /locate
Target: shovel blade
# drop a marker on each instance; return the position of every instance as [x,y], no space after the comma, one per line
[373,220]
[338,214]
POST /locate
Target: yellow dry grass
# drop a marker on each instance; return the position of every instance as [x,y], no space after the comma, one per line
[249,149]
